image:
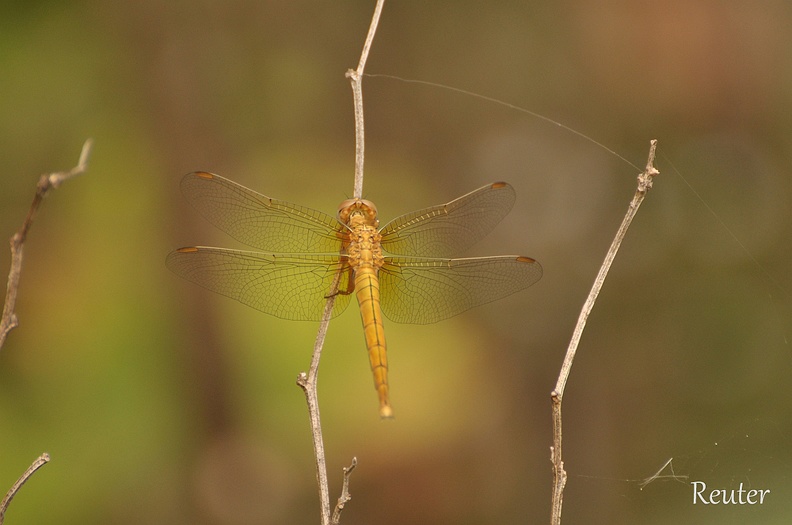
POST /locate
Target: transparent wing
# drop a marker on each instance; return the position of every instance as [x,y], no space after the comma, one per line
[421,291]
[257,220]
[448,229]
[287,286]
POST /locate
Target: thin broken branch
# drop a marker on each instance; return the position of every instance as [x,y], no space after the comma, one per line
[559,474]
[9,320]
[345,495]
[40,462]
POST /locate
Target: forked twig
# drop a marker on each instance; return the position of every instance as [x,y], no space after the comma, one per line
[9,320]
[40,462]
[345,495]
[559,474]
[308,381]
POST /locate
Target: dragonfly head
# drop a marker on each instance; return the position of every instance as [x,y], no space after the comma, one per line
[358,207]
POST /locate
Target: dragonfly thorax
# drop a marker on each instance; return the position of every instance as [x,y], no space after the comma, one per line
[359,211]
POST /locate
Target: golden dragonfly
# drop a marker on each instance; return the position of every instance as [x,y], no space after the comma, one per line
[312,256]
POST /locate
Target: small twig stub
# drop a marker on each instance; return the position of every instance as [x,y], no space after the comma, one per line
[345,495]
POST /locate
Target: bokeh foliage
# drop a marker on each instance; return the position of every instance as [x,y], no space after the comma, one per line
[161,403]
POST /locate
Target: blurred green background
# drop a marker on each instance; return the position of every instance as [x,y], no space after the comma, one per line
[162,403]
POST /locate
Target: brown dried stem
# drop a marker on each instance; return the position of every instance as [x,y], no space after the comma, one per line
[9,320]
[559,474]
[345,495]
[355,77]
[40,462]
[308,382]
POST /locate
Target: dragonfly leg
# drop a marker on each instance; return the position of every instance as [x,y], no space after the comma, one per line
[350,285]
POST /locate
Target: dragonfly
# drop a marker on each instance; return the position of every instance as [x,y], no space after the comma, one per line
[309,256]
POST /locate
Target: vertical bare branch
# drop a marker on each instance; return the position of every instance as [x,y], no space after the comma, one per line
[559,474]
[355,76]
[40,462]
[308,382]
[9,319]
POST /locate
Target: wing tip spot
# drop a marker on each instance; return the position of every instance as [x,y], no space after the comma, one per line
[525,259]
[499,185]
[204,175]
[187,249]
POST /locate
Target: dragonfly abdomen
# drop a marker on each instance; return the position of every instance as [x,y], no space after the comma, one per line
[367,292]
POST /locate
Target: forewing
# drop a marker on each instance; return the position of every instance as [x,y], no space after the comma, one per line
[421,291]
[259,221]
[448,229]
[287,286]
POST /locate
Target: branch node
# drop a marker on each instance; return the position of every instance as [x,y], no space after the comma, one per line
[646,178]
[302,380]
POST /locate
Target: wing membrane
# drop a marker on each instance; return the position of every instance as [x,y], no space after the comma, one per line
[448,229]
[288,286]
[421,291]
[259,221]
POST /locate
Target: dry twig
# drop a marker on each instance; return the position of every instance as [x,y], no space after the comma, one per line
[345,495]
[9,320]
[308,381]
[559,474]
[355,76]
[40,462]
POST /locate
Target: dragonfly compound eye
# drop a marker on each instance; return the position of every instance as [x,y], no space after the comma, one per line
[350,206]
